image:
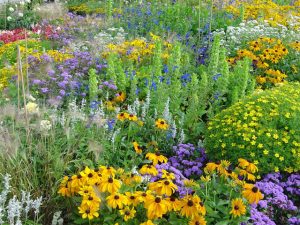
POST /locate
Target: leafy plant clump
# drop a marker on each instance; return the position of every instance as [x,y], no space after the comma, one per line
[264,128]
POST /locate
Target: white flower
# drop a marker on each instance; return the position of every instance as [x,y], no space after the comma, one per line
[9,18]
[11,9]
[27,1]
[20,14]
[32,107]
[45,125]
[22,3]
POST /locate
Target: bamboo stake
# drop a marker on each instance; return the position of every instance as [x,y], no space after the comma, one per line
[20,74]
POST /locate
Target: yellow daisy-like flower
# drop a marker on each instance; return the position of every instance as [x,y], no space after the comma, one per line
[161,124]
[109,184]
[116,200]
[156,158]
[107,171]
[120,97]
[138,149]
[127,213]
[86,191]
[122,116]
[175,204]
[252,193]
[198,220]
[148,169]
[190,206]
[243,163]
[89,212]
[163,187]
[156,207]
[132,198]
[149,222]
[167,175]
[238,207]
[132,117]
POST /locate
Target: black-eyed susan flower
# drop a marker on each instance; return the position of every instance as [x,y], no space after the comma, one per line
[190,205]
[127,213]
[148,169]
[89,212]
[211,167]
[132,198]
[198,220]
[91,200]
[122,116]
[175,204]
[243,163]
[252,193]
[161,124]
[138,149]
[156,206]
[132,117]
[167,175]
[156,158]
[238,207]
[86,190]
[120,97]
[116,200]
[65,189]
[148,222]
[163,187]
[107,171]
[109,184]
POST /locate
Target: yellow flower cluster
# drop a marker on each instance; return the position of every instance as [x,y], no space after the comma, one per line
[56,55]
[84,8]
[5,74]
[266,10]
[264,52]
[137,50]
[245,169]
[263,127]
[123,116]
[105,187]
[8,51]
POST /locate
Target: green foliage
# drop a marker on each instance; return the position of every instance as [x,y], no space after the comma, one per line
[263,128]
[93,85]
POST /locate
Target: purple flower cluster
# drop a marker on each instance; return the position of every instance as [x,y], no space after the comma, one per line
[278,203]
[56,80]
[179,178]
[188,159]
[259,218]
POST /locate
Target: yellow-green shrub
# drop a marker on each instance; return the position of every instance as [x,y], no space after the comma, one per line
[264,128]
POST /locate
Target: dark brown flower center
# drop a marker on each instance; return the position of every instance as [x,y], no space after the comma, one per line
[87,211]
[236,207]
[116,197]
[197,223]
[190,203]
[254,189]
[90,175]
[79,176]
[110,180]
[127,213]
[172,199]
[132,197]
[157,200]
[162,122]
[166,182]
[201,204]
[91,198]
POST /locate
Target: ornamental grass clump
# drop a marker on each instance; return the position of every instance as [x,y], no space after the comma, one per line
[263,128]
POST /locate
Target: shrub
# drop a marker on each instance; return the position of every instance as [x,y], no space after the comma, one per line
[263,128]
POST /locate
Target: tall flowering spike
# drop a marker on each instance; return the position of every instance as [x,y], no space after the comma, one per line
[214,56]
[111,70]
[157,61]
[93,85]
[133,88]
[222,81]
[122,80]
